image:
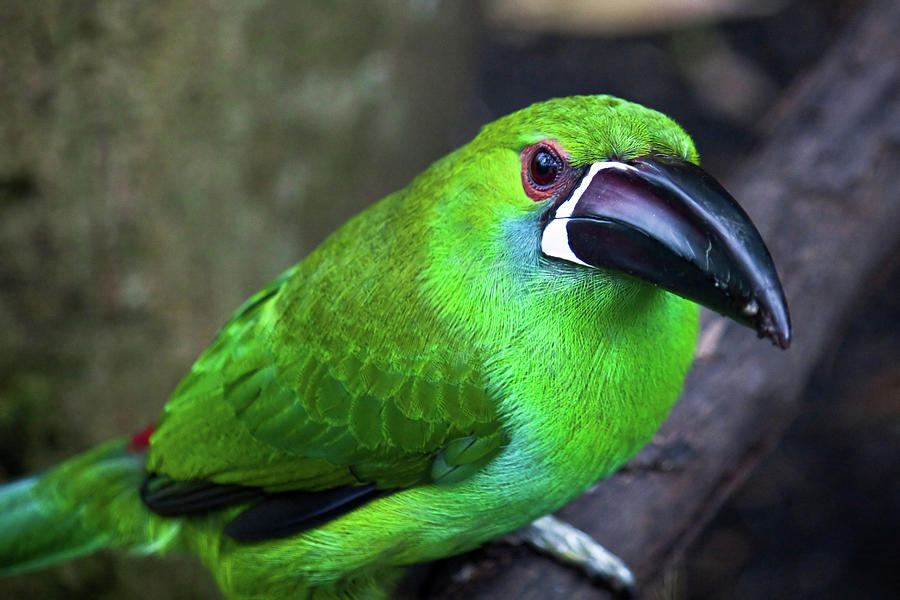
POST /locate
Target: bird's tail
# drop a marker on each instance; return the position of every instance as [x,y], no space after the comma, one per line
[88,502]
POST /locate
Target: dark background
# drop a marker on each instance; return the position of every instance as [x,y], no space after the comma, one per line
[159,163]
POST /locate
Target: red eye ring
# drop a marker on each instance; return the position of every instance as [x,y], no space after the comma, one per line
[545,169]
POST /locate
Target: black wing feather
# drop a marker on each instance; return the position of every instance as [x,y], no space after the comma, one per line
[170,498]
[286,513]
[275,515]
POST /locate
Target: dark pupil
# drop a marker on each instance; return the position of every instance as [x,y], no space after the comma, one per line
[544,168]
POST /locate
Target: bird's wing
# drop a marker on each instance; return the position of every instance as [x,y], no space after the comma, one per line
[290,397]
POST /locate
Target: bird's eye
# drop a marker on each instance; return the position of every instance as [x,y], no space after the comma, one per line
[544,167]
[545,170]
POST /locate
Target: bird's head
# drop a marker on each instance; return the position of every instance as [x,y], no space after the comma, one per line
[608,189]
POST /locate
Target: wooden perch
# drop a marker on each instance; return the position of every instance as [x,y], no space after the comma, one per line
[823,190]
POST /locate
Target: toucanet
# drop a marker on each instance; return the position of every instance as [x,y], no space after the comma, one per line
[463,357]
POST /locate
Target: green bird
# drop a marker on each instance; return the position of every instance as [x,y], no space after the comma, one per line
[467,355]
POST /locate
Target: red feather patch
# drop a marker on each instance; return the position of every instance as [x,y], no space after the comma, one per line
[139,442]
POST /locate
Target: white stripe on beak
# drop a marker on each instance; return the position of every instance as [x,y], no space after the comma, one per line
[555,239]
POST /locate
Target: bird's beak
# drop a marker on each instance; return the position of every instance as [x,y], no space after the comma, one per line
[668,222]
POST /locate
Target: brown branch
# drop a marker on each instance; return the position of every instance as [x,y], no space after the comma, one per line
[823,191]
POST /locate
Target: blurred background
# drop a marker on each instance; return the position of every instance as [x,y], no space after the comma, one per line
[161,161]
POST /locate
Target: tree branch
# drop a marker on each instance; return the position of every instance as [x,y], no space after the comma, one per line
[823,192]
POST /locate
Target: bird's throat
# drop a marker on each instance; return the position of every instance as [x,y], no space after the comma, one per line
[595,407]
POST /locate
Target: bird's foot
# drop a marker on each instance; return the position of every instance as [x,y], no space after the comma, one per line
[572,546]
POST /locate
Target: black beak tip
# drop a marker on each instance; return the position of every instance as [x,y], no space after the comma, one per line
[781,338]
[775,324]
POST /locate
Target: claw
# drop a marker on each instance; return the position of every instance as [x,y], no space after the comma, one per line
[571,546]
